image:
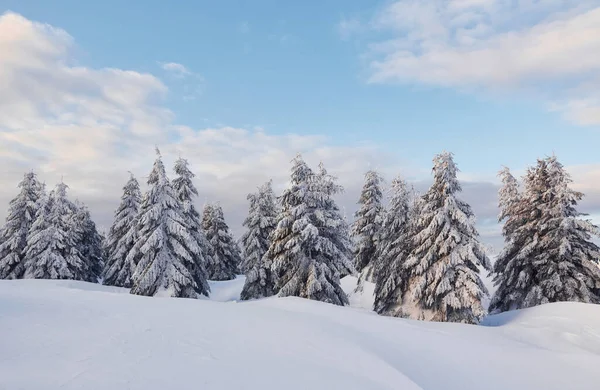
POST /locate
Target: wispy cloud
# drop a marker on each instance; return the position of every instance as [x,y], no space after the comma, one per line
[549,48]
[347,27]
[176,69]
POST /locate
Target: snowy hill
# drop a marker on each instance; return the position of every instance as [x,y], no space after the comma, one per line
[76,335]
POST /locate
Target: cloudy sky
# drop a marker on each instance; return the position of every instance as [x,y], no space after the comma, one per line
[87,89]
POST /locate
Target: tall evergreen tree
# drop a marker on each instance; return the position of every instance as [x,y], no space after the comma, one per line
[367,226]
[394,247]
[21,215]
[53,244]
[334,225]
[260,223]
[89,243]
[122,236]
[164,247]
[549,255]
[305,262]
[226,252]
[444,265]
[186,193]
[508,200]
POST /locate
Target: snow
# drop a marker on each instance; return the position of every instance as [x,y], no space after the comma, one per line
[77,335]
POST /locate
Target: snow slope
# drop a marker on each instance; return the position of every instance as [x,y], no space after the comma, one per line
[75,335]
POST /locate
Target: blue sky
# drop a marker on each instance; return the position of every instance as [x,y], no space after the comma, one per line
[284,66]
[361,84]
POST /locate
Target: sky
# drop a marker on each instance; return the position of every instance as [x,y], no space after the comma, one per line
[88,89]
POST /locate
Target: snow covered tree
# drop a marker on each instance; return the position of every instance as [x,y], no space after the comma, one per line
[394,247]
[13,235]
[305,262]
[444,264]
[186,193]
[89,243]
[53,243]
[121,237]
[226,252]
[334,227]
[508,199]
[367,226]
[549,255]
[260,223]
[164,250]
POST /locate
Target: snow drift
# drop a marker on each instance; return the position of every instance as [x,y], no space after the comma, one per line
[76,335]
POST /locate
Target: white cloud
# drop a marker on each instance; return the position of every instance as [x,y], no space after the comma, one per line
[525,45]
[347,27]
[178,70]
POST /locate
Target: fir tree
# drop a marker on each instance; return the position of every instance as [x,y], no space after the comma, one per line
[53,244]
[226,252]
[334,227]
[508,199]
[89,243]
[444,264]
[366,227]
[121,237]
[394,247]
[186,192]
[549,255]
[21,215]
[305,262]
[260,223]
[164,248]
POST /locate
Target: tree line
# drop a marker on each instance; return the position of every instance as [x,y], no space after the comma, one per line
[422,251]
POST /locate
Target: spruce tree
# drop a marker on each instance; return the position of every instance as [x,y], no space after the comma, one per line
[186,193]
[549,255]
[367,225]
[13,235]
[54,242]
[260,223]
[121,237]
[394,247]
[164,247]
[335,228]
[89,242]
[226,252]
[305,262]
[444,264]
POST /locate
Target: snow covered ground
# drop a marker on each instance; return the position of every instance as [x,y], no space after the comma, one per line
[75,335]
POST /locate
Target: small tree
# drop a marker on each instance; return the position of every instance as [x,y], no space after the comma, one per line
[164,246]
[121,237]
[226,255]
[186,193]
[394,247]
[367,226]
[444,263]
[549,255]
[21,215]
[305,262]
[52,250]
[261,222]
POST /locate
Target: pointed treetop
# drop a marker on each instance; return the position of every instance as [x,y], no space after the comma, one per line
[157,151]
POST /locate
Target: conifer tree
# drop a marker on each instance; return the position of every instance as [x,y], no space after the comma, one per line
[260,223]
[394,247]
[186,193]
[89,242]
[164,247]
[305,262]
[13,235]
[549,255]
[121,237]
[53,243]
[444,263]
[335,227]
[226,252]
[367,225]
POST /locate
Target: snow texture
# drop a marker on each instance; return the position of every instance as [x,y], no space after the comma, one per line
[73,335]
